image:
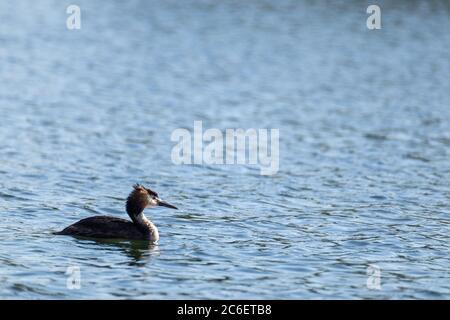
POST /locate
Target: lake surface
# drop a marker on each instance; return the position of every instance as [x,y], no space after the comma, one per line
[364,119]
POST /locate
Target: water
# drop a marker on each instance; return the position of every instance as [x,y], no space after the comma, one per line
[364,148]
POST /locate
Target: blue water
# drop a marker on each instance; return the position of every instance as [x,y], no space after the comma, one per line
[364,120]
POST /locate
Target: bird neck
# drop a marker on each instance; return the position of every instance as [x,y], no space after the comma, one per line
[146,226]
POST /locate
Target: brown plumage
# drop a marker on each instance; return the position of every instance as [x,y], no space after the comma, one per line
[105,227]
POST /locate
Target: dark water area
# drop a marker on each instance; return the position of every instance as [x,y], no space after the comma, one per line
[364,173]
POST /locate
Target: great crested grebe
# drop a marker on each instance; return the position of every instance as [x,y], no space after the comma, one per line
[116,228]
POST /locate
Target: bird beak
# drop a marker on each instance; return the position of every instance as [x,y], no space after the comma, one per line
[165,204]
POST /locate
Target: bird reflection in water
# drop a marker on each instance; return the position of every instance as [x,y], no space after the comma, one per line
[139,252]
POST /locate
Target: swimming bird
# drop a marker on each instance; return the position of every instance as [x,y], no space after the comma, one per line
[140,228]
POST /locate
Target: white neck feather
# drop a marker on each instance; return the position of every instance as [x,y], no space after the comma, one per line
[142,220]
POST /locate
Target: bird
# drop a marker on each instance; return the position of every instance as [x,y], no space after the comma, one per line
[106,227]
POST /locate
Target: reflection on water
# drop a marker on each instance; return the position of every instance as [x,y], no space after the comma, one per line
[364,148]
[138,252]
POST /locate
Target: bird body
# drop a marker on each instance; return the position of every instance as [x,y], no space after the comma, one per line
[106,227]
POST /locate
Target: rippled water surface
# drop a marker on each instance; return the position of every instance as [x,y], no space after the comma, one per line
[364,121]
